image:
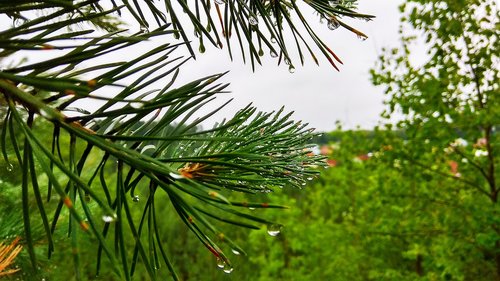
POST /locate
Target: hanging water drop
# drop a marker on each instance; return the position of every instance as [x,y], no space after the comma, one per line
[201,49]
[45,114]
[9,167]
[176,176]
[291,69]
[253,20]
[310,178]
[143,29]
[236,252]
[273,40]
[228,269]
[148,147]
[109,218]
[362,37]
[333,24]
[273,229]
[221,263]
[274,54]
[220,2]
[333,3]
[136,105]
[136,198]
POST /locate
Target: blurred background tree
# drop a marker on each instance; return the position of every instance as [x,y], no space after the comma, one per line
[449,108]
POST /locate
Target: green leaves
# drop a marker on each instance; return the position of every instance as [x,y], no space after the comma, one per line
[449,114]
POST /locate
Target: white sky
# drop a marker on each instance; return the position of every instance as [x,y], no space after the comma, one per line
[318,95]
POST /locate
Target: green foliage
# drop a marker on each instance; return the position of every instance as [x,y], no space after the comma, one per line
[368,218]
[449,105]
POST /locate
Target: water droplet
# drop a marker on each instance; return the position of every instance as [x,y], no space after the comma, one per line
[109,218]
[176,176]
[143,29]
[220,2]
[273,40]
[221,263]
[333,24]
[287,61]
[274,54]
[291,69]
[253,20]
[136,105]
[333,3]
[310,178]
[236,252]
[362,37]
[261,52]
[9,167]
[273,229]
[45,114]
[136,198]
[201,49]
[148,147]
[228,269]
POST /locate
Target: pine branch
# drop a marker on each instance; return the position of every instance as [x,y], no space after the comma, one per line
[153,140]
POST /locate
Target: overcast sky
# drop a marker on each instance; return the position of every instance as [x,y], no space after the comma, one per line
[318,95]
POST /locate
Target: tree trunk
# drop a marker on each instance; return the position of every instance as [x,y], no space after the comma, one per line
[419,268]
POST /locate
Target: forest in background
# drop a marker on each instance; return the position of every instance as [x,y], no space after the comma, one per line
[368,216]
